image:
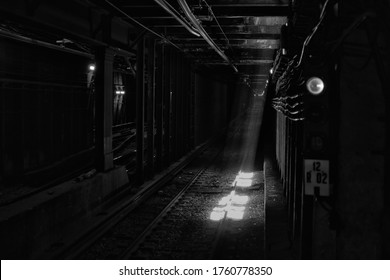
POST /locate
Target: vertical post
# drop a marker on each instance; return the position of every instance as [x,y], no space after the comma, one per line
[103,105]
[140,100]
[300,190]
[187,112]
[150,107]
[293,167]
[192,106]
[173,99]
[167,105]
[160,83]
[179,106]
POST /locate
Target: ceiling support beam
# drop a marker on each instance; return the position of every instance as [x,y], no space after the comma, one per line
[183,4]
[167,7]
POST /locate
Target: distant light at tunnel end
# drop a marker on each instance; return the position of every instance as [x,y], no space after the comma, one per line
[315,85]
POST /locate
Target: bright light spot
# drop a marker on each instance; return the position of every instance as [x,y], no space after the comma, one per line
[235,214]
[237,208]
[232,205]
[315,85]
[224,200]
[243,179]
[119,92]
[245,175]
[244,183]
[218,209]
[240,199]
[271,71]
[217,215]
[92,67]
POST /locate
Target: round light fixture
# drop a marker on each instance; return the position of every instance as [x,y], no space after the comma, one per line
[315,85]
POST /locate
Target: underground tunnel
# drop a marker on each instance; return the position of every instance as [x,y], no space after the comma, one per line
[194,129]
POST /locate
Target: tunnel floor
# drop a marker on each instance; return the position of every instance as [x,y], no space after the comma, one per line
[192,229]
[222,215]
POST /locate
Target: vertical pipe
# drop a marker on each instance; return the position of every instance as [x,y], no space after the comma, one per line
[159,105]
[150,107]
[103,105]
[140,119]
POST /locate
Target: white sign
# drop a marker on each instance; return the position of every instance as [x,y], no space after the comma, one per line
[317,176]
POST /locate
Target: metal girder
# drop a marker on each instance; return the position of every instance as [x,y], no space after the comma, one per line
[150,110]
[258,31]
[103,105]
[253,69]
[211,2]
[240,2]
[160,118]
[246,44]
[146,11]
[223,21]
[238,62]
[250,10]
[243,54]
[230,37]
[140,120]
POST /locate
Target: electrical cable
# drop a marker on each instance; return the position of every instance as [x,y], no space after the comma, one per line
[167,7]
[216,20]
[308,38]
[186,9]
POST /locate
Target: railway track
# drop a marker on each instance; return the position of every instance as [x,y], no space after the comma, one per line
[164,223]
[186,217]
[131,223]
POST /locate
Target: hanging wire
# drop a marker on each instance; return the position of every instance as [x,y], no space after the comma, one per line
[216,20]
[315,29]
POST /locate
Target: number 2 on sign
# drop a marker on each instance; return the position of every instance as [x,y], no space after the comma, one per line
[321,178]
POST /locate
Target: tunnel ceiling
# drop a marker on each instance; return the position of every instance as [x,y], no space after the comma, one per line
[246,31]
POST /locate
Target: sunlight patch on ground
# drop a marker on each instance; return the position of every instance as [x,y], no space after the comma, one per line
[232,206]
[243,179]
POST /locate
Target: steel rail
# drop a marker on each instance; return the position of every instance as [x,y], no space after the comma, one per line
[135,245]
[156,221]
[112,216]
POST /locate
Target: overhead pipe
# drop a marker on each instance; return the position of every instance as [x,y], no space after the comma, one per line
[142,25]
[186,9]
[171,10]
